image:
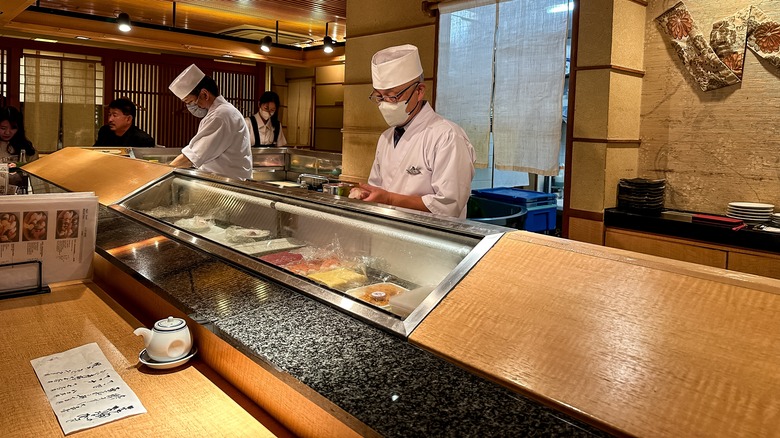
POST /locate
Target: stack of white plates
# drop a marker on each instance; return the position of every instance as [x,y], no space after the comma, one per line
[776,219]
[750,211]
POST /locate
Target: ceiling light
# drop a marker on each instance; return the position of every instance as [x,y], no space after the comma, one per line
[44,40]
[265,44]
[327,44]
[123,20]
[81,37]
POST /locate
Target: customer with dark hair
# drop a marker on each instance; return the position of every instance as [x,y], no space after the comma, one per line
[15,147]
[221,144]
[13,140]
[120,129]
[266,130]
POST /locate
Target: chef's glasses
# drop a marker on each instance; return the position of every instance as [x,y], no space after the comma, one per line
[378,98]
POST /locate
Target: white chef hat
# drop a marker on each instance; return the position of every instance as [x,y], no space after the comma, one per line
[395,66]
[186,81]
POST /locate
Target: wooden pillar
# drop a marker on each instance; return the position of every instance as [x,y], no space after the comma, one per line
[604,142]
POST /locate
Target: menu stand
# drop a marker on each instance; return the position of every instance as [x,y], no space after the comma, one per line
[7,272]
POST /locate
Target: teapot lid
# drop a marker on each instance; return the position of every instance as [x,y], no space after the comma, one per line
[169,324]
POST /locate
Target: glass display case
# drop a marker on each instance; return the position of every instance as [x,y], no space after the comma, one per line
[275,165]
[383,265]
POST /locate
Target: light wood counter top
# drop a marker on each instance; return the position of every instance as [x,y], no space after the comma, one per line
[110,176]
[634,343]
[180,402]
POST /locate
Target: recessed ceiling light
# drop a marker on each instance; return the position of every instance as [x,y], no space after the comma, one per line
[80,37]
[45,40]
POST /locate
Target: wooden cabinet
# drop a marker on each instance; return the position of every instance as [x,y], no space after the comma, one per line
[719,256]
[757,263]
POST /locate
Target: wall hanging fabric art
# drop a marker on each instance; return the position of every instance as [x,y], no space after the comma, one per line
[718,63]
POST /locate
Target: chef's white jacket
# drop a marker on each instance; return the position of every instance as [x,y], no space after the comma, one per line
[433,159]
[221,144]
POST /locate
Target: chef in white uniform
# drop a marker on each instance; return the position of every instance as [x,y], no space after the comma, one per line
[423,161]
[221,144]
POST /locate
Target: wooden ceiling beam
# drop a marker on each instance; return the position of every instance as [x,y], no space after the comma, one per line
[10,9]
[35,24]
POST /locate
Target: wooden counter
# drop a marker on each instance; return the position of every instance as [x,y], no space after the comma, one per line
[636,344]
[180,402]
[110,176]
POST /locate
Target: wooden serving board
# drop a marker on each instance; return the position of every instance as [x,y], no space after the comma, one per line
[632,343]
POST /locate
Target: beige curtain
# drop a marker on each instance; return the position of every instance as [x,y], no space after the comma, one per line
[465,72]
[529,79]
[299,105]
[505,59]
[42,102]
[59,96]
[78,103]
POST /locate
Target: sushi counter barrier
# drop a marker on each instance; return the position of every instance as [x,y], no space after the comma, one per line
[280,166]
[517,334]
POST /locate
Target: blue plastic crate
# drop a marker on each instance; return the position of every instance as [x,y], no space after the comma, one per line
[512,195]
[541,218]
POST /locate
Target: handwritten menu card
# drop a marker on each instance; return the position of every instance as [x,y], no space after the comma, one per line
[84,389]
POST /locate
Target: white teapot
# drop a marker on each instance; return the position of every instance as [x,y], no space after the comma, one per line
[168,341]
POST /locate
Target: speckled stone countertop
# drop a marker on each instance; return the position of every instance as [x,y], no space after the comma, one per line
[393,387]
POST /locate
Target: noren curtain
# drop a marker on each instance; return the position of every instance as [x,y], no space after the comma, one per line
[465,71]
[515,60]
[59,102]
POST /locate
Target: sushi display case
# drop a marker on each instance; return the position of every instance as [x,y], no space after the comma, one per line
[383,265]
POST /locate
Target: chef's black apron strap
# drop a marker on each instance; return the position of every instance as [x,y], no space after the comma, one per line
[257,131]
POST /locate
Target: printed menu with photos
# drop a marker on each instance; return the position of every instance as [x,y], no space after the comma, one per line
[57,229]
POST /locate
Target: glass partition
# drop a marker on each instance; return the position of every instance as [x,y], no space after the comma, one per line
[379,268]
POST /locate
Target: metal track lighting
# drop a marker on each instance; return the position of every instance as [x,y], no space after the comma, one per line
[123,20]
[327,44]
[265,44]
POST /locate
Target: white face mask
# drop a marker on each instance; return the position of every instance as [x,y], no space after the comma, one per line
[265,114]
[197,111]
[394,113]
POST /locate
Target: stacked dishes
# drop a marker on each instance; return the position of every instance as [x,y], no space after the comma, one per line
[750,211]
[776,219]
[640,195]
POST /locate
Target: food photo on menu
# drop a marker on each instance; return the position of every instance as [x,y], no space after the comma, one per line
[9,227]
[67,224]
[35,225]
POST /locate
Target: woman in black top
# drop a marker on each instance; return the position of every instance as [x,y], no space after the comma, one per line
[265,130]
[13,139]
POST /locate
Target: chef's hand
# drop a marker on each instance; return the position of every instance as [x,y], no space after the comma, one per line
[357,193]
[375,194]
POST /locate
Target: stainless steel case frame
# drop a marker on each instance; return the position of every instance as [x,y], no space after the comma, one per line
[464,242]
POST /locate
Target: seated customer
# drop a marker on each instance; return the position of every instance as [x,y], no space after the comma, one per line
[13,139]
[15,147]
[265,130]
[120,129]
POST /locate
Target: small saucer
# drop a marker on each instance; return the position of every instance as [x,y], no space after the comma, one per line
[151,363]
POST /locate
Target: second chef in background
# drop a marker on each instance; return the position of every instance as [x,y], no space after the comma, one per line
[221,144]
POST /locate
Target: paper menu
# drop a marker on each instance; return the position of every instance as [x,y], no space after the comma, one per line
[83,388]
[57,229]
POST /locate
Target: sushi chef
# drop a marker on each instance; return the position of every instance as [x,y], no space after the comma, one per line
[221,144]
[423,161]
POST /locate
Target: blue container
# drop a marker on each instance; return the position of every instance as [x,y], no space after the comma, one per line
[542,208]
